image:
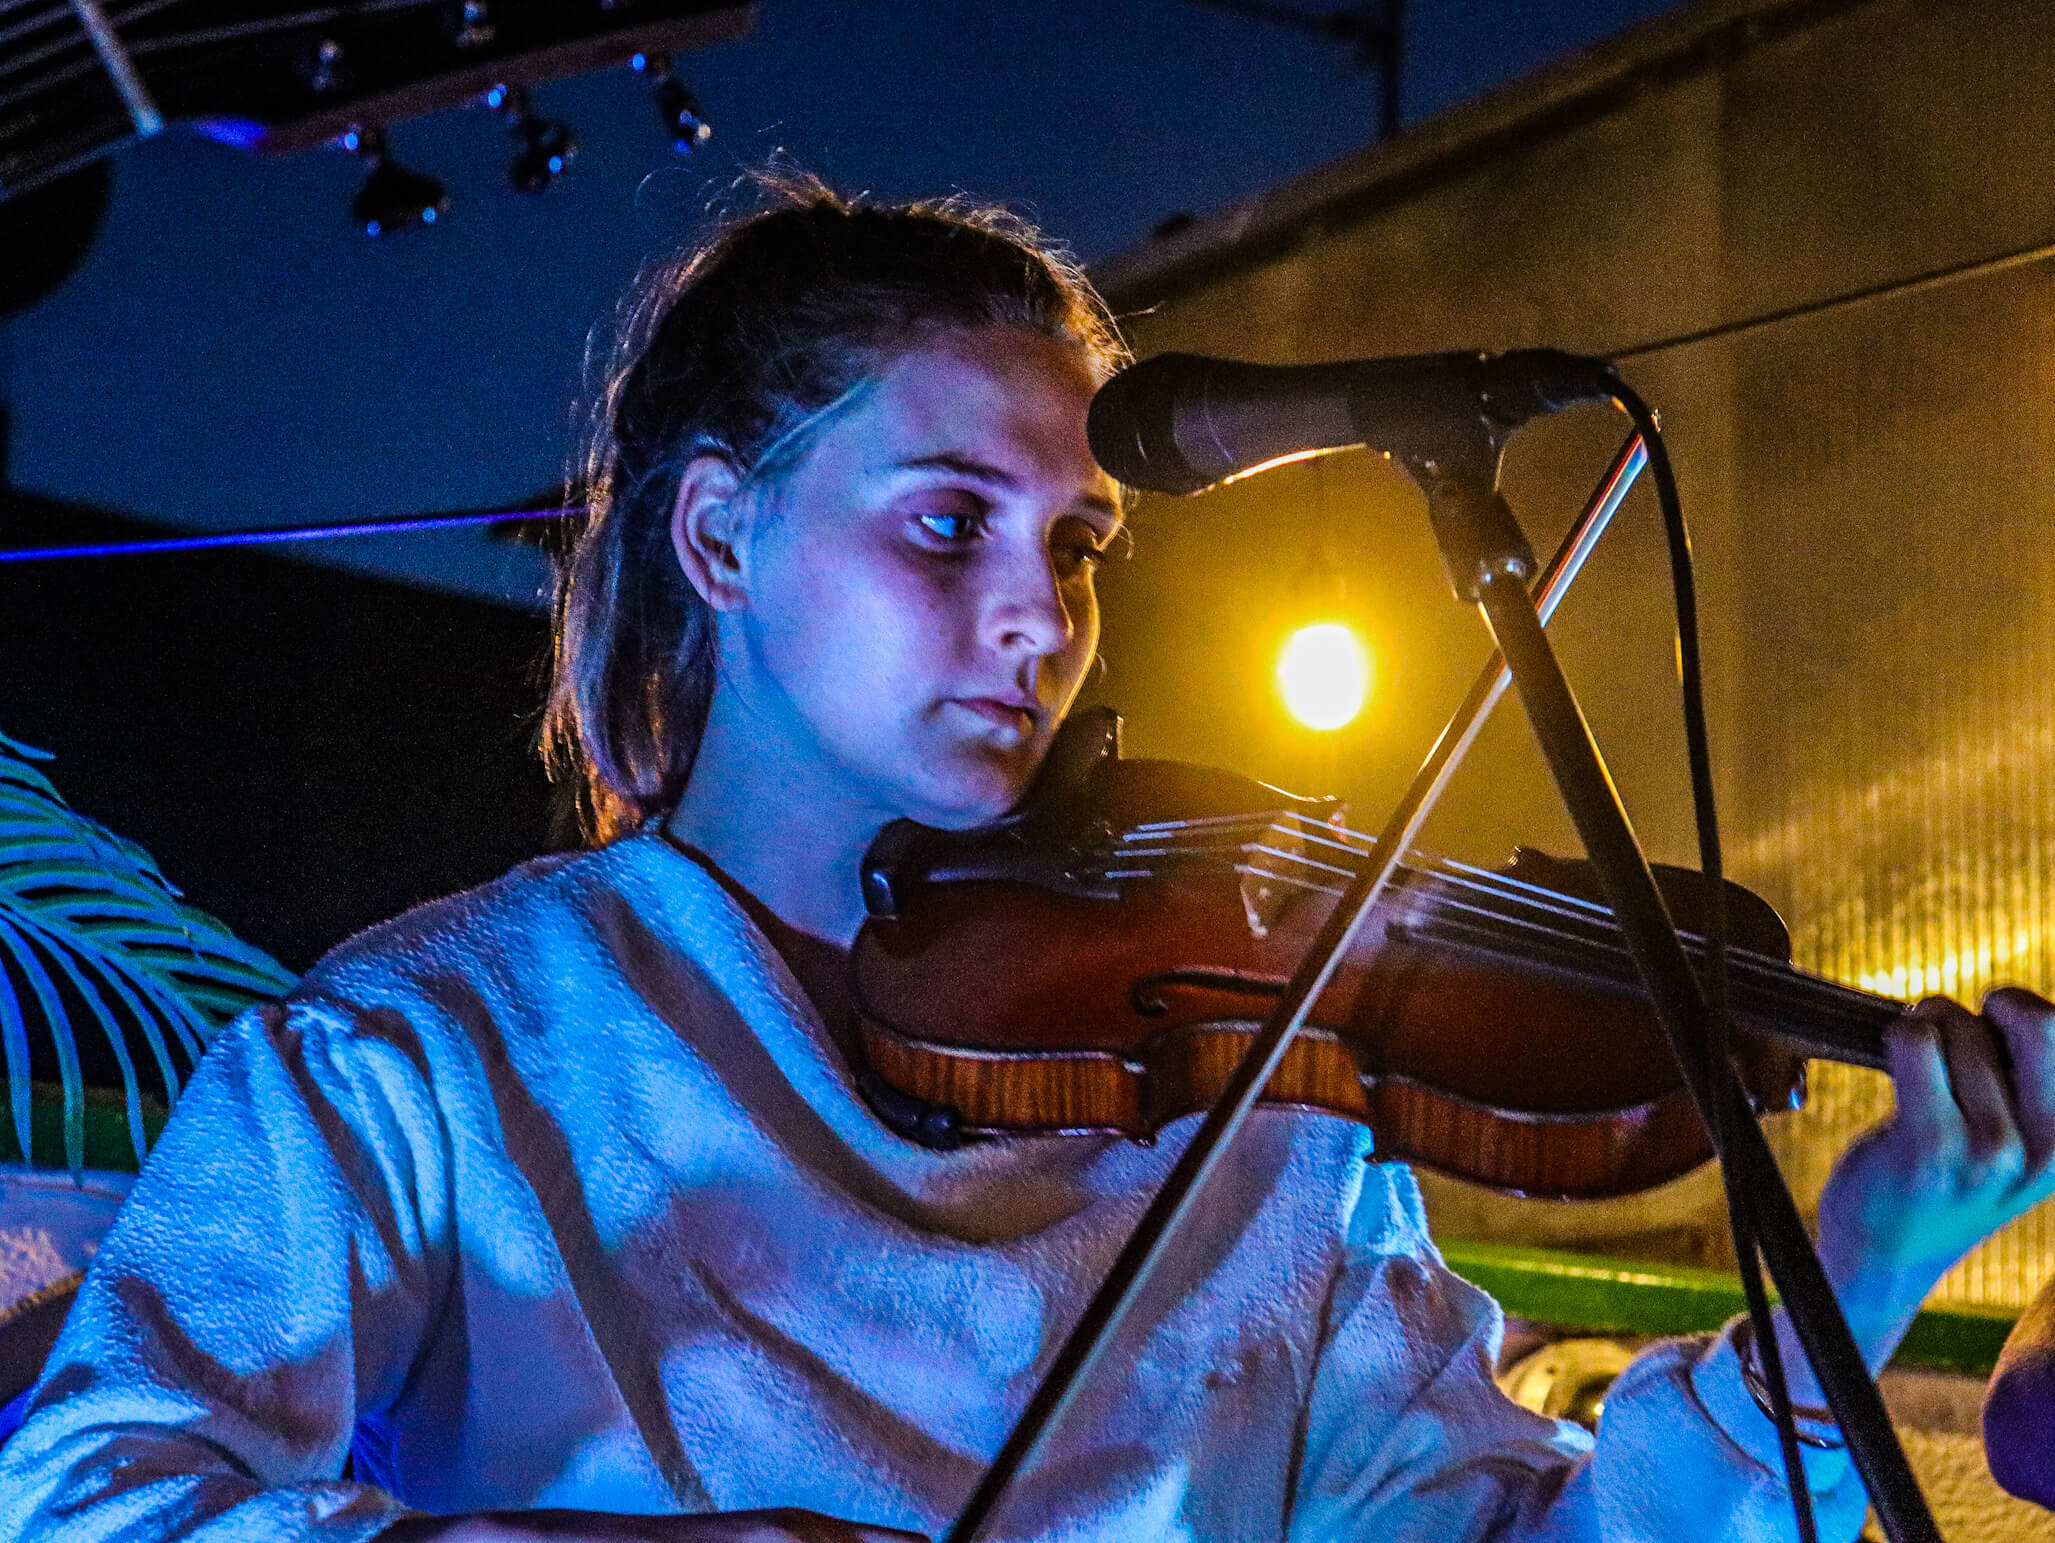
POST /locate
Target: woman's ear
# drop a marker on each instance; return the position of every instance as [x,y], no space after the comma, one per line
[706,530]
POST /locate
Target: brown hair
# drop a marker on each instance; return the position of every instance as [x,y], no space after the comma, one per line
[740,346]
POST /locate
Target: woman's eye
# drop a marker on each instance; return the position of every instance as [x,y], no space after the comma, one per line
[954,527]
[1078,547]
[1081,554]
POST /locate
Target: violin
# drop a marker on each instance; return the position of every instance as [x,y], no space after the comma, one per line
[1098,961]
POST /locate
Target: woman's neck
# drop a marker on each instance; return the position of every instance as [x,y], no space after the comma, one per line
[795,847]
[820,967]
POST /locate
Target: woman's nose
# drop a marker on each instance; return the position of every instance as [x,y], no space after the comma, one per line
[1028,613]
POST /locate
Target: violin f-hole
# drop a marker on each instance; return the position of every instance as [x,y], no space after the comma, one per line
[1146,999]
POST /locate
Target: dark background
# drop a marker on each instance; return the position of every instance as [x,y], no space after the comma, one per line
[235,353]
[304,751]
[310,742]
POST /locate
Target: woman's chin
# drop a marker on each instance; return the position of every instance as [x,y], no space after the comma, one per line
[975,790]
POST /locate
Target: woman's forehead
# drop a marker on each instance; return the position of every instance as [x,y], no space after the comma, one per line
[1002,399]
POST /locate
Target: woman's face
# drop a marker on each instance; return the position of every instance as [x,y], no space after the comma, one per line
[916,606]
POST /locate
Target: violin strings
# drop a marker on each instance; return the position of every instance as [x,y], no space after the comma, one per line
[1445,873]
[1240,847]
[1447,870]
[1316,830]
[1508,914]
[1596,934]
[1340,838]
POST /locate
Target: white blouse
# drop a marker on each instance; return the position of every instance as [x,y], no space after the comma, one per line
[557,1194]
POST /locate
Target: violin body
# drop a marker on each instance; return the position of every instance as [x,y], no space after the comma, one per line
[1099,963]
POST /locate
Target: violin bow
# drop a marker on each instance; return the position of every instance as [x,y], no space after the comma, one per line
[1147,1246]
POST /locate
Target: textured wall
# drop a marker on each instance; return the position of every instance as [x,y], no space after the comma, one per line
[1870,492]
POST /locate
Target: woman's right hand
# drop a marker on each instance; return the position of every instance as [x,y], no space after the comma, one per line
[784,1525]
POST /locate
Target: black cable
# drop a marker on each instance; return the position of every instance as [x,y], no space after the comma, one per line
[1713,928]
[1890,289]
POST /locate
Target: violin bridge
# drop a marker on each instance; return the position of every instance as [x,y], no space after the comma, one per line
[1282,866]
[1262,900]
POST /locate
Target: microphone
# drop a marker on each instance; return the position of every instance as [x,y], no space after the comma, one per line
[1181,423]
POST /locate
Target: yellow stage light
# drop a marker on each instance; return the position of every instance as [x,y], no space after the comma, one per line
[1324,675]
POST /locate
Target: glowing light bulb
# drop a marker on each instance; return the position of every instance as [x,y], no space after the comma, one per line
[1324,675]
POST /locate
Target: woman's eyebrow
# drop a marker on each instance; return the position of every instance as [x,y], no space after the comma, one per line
[997,476]
[962,465]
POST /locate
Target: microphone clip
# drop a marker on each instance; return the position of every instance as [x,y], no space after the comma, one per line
[1478,401]
[1479,535]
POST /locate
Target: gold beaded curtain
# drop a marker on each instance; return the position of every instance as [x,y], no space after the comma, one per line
[1872,492]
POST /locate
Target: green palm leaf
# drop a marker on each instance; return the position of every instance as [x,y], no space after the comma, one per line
[94,937]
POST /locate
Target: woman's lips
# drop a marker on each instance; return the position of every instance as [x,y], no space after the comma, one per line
[1000,713]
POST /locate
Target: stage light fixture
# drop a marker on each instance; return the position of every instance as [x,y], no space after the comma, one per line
[676,107]
[393,196]
[543,147]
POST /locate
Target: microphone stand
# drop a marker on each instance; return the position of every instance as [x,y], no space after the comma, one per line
[1489,563]
[1173,1203]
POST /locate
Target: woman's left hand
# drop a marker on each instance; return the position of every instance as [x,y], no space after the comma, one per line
[1970,1147]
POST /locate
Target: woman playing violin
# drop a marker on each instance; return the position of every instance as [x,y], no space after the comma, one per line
[552,1210]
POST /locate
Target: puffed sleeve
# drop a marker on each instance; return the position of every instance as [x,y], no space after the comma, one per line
[268,1280]
[1407,1435]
